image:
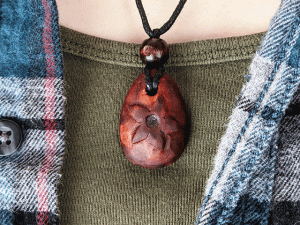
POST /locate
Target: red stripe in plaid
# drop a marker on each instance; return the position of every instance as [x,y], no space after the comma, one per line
[50,124]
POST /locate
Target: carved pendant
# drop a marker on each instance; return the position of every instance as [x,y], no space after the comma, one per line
[152,128]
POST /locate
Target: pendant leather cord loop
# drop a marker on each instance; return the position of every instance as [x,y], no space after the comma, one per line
[166,26]
[152,82]
[150,114]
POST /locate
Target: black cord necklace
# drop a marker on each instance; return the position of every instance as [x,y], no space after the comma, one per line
[157,32]
[153,117]
[153,60]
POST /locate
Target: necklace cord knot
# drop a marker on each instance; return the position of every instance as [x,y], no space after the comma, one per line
[156,33]
[166,26]
[152,82]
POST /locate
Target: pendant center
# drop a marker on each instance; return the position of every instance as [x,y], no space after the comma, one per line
[152,121]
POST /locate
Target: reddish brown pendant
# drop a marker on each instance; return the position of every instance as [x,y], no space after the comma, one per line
[152,128]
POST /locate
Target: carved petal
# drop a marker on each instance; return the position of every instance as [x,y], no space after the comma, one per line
[138,112]
[170,126]
[157,139]
[141,133]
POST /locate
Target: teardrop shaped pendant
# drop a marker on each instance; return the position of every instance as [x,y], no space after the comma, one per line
[153,118]
[152,128]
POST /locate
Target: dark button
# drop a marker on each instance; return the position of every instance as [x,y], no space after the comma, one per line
[10,137]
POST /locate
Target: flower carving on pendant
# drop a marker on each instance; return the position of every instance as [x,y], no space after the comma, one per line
[153,127]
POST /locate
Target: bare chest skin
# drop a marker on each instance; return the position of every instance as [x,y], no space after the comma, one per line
[200,19]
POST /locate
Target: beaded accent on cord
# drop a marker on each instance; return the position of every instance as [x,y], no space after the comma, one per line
[154,52]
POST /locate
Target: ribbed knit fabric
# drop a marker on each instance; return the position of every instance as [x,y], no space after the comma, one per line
[99,185]
[31,86]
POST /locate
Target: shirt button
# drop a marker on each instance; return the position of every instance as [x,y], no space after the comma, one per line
[10,137]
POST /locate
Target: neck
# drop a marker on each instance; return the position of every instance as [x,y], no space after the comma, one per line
[206,19]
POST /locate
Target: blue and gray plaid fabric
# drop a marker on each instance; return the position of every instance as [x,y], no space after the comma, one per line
[31,93]
[256,175]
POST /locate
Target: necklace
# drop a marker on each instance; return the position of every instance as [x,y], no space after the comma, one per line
[153,116]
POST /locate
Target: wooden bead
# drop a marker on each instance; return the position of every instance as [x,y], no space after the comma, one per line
[152,128]
[154,52]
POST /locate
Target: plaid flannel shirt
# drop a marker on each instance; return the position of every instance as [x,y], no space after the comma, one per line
[256,173]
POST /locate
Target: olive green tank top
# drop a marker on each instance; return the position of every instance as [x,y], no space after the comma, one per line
[99,185]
